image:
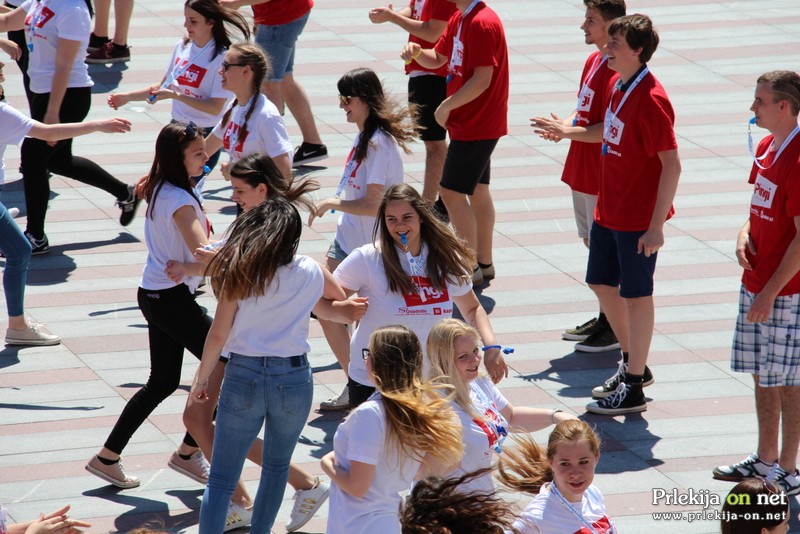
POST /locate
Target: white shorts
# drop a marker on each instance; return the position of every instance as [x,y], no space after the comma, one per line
[583,205]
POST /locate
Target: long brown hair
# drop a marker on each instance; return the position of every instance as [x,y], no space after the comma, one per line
[385,113]
[168,163]
[258,243]
[221,17]
[259,168]
[419,419]
[527,467]
[250,55]
[449,258]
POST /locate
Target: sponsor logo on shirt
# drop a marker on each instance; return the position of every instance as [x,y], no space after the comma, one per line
[226,137]
[763,192]
[193,76]
[45,14]
[432,295]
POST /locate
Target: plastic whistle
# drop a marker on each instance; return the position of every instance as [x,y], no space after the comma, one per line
[752,120]
[151,98]
[404,240]
[206,169]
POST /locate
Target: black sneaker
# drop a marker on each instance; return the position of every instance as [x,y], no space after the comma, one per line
[600,341]
[40,246]
[750,467]
[440,210]
[581,332]
[96,43]
[611,385]
[308,153]
[627,398]
[109,53]
[128,207]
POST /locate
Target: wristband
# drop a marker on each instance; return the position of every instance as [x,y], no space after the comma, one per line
[419,53]
[506,350]
[553,415]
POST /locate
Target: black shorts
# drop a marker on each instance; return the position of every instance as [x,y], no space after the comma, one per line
[428,92]
[467,165]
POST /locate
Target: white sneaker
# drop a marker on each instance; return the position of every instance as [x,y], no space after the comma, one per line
[306,504]
[238,517]
[14,212]
[334,404]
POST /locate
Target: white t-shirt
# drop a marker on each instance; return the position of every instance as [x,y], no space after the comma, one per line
[547,514]
[361,438]
[480,438]
[382,166]
[53,20]
[276,324]
[199,80]
[15,126]
[164,240]
[266,132]
[362,271]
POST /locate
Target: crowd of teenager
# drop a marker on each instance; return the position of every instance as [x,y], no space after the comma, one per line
[427,434]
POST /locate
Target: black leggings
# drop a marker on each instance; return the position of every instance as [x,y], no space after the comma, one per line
[18,37]
[174,322]
[38,158]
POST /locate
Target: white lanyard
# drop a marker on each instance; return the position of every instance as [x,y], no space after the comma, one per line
[612,115]
[416,12]
[454,54]
[349,169]
[589,79]
[758,160]
[498,426]
[565,502]
[233,137]
[36,17]
[178,70]
[417,266]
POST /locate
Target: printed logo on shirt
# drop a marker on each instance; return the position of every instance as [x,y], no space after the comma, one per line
[763,192]
[615,131]
[44,16]
[601,526]
[489,414]
[585,99]
[432,295]
[226,137]
[193,76]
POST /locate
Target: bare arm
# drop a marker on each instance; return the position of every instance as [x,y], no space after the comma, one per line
[189,226]
[57,132]
[212,106]
[366,205]
[213,143]
[475,314]
[429,30]
[743,245]
[553,127]
[236,4]
[12,20]
[472,89]
[355,482]
[215,341]
[428,57]
[653,239]
[65,56]
[284,164]
[527,419]
[761,306]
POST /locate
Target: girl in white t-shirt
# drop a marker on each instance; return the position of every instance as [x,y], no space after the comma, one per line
[252,123]
[192,80]
[175,226]
[561,477]
[257,275]
[486,416]
[372,166]
[379,448]
[413,275]
[57,32]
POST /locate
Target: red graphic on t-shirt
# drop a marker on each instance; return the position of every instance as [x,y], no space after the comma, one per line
[44,15]
[192,76]
[226,137]
[432,295]
[488,428]
[601,526]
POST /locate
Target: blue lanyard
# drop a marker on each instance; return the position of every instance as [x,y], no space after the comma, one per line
[587,82]
[451,67]
[758,160]
[178,71]
[565,502]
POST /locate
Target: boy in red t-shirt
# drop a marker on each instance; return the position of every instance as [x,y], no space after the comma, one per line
[475,114]
[640,169]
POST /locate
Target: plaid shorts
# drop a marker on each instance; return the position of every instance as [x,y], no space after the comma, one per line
[770,350]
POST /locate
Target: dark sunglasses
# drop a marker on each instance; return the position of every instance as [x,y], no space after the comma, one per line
[226,66]
[345,100]
[364,354]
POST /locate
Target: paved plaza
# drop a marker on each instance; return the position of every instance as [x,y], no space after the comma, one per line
[57,404]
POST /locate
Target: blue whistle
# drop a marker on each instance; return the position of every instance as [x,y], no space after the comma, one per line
[404,240]
[604,150]
[151,98]
[206,169]
[752,120]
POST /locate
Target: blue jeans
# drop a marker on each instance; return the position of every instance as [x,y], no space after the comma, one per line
[279,43]
[17,250]
[270,391]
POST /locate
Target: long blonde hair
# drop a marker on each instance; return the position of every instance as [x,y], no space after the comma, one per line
[441,353]
[419,418]
[527,467]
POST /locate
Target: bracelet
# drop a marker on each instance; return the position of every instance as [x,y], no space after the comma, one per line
[553,415]
[419,53]
[201,384]
[507,350]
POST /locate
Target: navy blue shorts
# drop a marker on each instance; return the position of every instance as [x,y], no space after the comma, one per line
[614,261]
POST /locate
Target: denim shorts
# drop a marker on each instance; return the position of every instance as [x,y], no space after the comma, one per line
[771,349]
[614,261]
[336,252]
[279,43]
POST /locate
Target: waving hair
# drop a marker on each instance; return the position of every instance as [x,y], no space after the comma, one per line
[259,168]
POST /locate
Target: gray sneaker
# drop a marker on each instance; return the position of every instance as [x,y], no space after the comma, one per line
[114,473]
[34,335]
[334,404]
[750,467]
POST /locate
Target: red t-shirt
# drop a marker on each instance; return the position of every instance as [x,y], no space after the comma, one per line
[483,44]
[631,170]
[582,167]
[427,10]
[277,12]
[773,206]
